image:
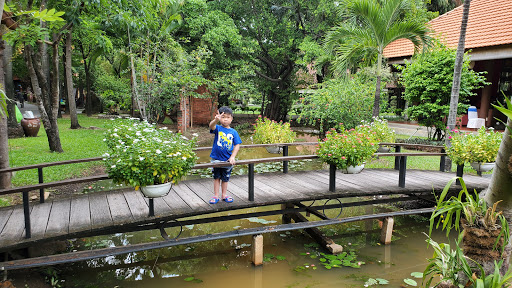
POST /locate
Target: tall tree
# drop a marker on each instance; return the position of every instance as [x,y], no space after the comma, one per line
[68,74]
[368,27]
[457,70]
[275,30]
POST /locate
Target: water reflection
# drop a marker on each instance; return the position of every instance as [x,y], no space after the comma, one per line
[226,263]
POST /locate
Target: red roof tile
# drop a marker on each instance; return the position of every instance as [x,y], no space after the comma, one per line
[489,24]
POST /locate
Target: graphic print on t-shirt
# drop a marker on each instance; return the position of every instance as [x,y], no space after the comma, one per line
[225,140]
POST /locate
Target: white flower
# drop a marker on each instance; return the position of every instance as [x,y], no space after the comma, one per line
[115,135]
[195,134]
[104,139]
[167,142]
[135,140]
[138,133]
[106,155]
[113,166]
[115,129]
[158,151]
[184,158]
[141,158]
[184,137]
[118,160]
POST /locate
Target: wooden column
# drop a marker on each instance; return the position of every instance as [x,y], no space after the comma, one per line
[387,230]
[257,250]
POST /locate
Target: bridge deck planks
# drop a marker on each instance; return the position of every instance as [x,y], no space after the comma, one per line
[86,214]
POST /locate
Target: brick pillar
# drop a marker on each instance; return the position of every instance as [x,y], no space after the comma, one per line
[184,115]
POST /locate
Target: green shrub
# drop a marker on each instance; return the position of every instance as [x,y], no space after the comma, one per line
[346,101]
[268,131]
[113,91]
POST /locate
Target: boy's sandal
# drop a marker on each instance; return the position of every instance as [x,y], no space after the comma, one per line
[214,200]
[228,199]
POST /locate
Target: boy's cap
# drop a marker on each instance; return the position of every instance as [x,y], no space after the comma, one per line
[226,110]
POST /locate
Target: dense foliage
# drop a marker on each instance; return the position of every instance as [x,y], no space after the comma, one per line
[428,81]
[347,101]
[268,131]
[469,147]
[346,147]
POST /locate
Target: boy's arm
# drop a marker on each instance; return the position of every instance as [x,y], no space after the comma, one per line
[233,154]
[215,120]
[213,123]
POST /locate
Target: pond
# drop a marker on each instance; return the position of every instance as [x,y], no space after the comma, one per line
[292,259]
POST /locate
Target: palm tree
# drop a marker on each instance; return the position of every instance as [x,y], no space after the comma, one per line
[370,26]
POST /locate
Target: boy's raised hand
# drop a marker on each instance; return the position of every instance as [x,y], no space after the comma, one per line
[218,116]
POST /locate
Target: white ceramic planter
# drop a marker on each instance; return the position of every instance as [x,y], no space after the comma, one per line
[274,149]
[355,169]
[483,167]
[383,149]
[155,191]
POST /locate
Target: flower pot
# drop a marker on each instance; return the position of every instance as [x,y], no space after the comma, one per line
[354,169]
[155,191]
[30,126]
[274,149]
[383,149]
[483,167]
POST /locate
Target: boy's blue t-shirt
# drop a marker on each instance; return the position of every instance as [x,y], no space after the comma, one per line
[224,142]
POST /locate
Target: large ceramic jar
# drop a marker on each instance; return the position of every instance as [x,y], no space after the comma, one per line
[31,126]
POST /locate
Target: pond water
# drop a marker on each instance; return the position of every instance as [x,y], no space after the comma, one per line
[292,258]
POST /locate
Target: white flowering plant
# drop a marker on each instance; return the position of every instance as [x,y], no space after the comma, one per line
[140,154]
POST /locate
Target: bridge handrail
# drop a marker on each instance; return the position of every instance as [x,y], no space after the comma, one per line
[74,161]
[197,166]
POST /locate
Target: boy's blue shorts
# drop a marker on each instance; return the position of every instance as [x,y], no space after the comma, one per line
[222,173]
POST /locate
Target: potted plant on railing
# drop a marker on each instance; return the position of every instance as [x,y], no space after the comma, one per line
[485,230]
[380,132]
[478,149]
[141,155]
[347,150]
[268,131]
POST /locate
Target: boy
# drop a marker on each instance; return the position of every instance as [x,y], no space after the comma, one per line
[225,147]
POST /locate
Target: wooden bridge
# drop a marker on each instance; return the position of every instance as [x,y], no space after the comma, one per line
[127,210]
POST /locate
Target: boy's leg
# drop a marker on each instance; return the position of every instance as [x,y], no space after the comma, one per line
[216,186]
[224,189]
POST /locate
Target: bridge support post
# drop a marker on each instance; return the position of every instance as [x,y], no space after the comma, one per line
[387,230]
[287,218]
[401,173]
[285,163]
[318,236]
[460,171]
[26,213]
[332,178]
[257,250]
[397,158]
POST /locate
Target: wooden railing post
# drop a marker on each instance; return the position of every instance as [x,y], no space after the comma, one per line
[251,182]
[26,213]
[402,170]
[460,171]
[285,163]
[397,158]
[332,178]
[151,207]
[41,180]
[442,163]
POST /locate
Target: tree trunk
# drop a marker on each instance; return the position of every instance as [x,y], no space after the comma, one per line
[5,178]
[376,102]
[500,187]
[88,98]
[457,71]
[9,86]
[69,84]
[44,101]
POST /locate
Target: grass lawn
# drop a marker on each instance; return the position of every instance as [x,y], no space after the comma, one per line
[77,144]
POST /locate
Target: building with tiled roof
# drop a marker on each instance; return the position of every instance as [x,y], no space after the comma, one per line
[489,40]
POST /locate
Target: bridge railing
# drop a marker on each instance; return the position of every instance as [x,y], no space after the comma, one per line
[400,164]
